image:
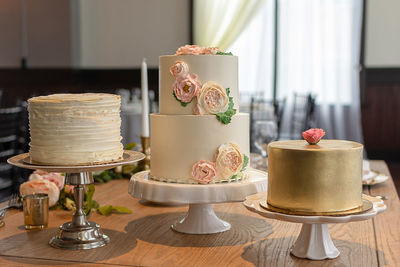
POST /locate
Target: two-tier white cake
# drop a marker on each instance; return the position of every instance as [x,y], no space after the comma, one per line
[199,136]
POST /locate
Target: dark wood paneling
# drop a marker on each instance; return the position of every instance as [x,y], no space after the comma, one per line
[381,113]
[22,84]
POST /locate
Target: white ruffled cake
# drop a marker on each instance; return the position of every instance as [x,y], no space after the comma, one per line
[75,129]
[199,136]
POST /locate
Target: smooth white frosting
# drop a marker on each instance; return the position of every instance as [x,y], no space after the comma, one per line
[69,129]
[222,69]
[179,141]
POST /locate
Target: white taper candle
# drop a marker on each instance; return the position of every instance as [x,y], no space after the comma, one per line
[145,101]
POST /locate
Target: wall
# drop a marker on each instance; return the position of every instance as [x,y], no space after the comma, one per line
[48,33]
[120,33]
[382,33]
[10,33]
[380,90]
[92,34]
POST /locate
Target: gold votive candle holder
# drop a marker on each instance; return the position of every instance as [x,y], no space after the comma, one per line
[36,211]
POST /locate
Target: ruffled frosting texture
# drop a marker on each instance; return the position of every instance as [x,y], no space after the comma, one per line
[68,129]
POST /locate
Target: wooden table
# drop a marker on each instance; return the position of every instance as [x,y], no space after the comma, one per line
[144,238]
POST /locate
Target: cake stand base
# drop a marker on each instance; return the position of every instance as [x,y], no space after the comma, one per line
[314,241]
[79,237]
[201,219]
[79,233]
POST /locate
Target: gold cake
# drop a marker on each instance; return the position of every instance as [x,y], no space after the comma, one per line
[326,177]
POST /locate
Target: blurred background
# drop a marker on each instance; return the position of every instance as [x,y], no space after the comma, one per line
[331,64]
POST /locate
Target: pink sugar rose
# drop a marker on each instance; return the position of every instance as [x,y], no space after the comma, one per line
[180,68]
[54,177]
[312,136]
[212,99]
[189,50]
[229,160]
[204,171]
[186,87]
[210,50]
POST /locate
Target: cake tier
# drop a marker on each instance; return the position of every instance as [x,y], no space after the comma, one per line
[71,129]
[221,69]
[179,141]
[315,178]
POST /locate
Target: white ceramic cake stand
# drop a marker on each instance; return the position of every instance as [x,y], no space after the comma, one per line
[314,241]
[79,233]
[201,218]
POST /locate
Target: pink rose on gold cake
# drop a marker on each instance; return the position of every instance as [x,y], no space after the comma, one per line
[186,87]
[189,50]
[204,171]
[312,136]
[180,68]
[229,160]
[212,99]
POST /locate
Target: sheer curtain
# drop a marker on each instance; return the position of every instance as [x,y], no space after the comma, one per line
[219,23]
[318,52]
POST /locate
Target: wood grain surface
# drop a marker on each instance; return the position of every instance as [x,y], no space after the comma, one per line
[144,238]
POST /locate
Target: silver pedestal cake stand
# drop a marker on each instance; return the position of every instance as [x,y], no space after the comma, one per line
[200,218]
[314,241]
[78,233]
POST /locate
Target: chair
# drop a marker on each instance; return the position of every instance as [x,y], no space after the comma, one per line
[13,131]
[303,114]
[261,109]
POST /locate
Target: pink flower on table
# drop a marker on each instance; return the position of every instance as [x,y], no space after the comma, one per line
[180,68]
[204,171]
[212,99]
[186,87]
[190,50]
[55,177]
[312,136]
[37,186]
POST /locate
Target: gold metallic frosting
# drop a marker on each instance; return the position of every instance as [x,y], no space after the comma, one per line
[326,177]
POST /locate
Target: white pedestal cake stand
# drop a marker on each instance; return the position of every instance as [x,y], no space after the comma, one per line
[201,218]
[79,233]
[314,241]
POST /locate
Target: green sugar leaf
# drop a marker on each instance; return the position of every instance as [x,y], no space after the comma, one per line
[225,117]
[224,53]
[245,162]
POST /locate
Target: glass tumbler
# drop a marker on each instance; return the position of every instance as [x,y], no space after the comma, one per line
[36,211]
